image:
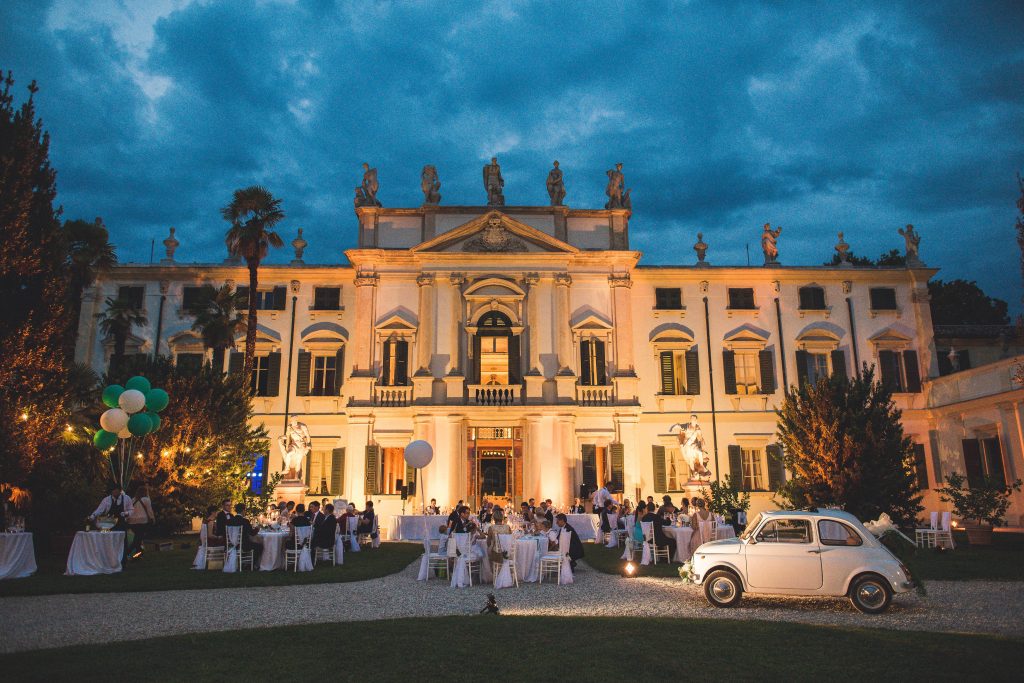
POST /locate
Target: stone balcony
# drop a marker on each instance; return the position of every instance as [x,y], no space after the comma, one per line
[495,394]
[392,396]
[595,395]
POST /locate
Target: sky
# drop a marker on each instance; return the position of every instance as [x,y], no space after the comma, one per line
[820,117]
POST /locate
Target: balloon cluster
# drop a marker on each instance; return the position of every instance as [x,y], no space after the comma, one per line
[132,412]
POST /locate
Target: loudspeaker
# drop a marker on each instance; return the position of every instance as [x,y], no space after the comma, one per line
[405,493]
[584,491]
[398,483]
[412,488]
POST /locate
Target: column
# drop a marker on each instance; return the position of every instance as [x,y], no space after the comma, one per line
[625,379]
[454,378]
[562,333]
[626,429]
[566,460]
[426,335]
[534,378]
[533,458]
[360,382]
[923,326]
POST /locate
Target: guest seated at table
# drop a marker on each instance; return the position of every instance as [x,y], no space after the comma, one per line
[544,529]
[660,537]
[222,517]
[249,537]
[575,544]
[458,526]
[524,510]
[290,508]
[475,535]
[116,505]
[484,516]
[432,509]
[637,531]
[667,509]
[532,505]
[366,519]
[576,508]
[497,528]
[454,514]
[700,522]
[325,529]
[314,514]
[684,506]
[651,505]
[625,509]
[546,511]
[299,518]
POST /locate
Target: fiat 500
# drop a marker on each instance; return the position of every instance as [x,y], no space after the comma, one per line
[826,552]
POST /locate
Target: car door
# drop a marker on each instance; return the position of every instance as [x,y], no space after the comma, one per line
[784,556]
[842,553]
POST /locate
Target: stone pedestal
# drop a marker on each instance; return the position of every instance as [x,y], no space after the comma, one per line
[566,386]
[422,388]
[290,490]
[626,389]
[360,389]
[534,389]
[454,389]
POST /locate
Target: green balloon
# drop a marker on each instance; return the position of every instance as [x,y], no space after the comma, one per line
[103,439]
[154,420]
[111,394]
[139,383]
[156,400]
[139,424]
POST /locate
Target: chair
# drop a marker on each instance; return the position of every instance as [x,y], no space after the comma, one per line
[460,547]
[656,550]
[339,546]
[433,560]
[633,546]
[237,556]
[927,537]
[352,535]
[296,555]
[207,554]
[373,537]
[508,546]
[714,528]
[326,554]
[944,532]
[553,559]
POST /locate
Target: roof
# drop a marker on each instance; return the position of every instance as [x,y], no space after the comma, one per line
[840,514]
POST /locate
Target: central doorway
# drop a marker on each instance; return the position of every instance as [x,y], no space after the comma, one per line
[495,465]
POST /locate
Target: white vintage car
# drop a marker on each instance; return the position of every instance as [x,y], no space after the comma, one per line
[802,552]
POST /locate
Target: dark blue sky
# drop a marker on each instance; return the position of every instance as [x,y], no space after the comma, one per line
[820,117]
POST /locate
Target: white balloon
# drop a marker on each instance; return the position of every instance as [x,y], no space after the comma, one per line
[124,434]
[114,420]
[419,454]
[132,401]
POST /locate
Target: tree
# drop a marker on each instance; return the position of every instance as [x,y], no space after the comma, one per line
[893,257]
[218,321]
[844,444]
[962,302]
[851,258]
[253,212]
[89,254]
[117,322]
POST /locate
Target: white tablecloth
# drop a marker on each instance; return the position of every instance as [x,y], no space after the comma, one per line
[413,527]
[725,531]
[273,550]
[96,552]
[682,534]
[17,556]
[585,526]
[528,552]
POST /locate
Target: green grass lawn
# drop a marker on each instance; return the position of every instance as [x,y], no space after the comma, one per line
[606,561]
[534,649]
[170,570]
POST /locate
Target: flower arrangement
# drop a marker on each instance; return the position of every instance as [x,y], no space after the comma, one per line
[686,572]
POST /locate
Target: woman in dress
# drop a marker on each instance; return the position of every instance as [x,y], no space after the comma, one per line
[700,521]
[638,531]
[499,527]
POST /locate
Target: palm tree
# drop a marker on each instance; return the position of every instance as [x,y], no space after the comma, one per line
[218,321]
[253,212]
[89,254]
[117,322]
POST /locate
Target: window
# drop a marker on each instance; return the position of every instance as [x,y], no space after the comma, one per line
[496,351]
[817,367]
[260,375]
[961,360]
[741,298]
[668,299]
[327,298]
[753,469]
[135,295]
[812,366]
[324,372]
[266,299]
[192,298]
[396,363]
[831,532]
[920,467]
[883,299]
[785,531]
[812,299]
[494,360]
[189,362]
[324,472]
[592,365]
[899,371]
[983,460]
[747,372]
[392,470]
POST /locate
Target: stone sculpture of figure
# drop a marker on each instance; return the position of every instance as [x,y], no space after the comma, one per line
[370,186]
[556,188]
[494,183]
[842,248]
[170,245]
[769,244]
[430,185]
[299,244]
[701,248]
[295,444]
[913,243]
[615,189]
[691,449]
[360,198]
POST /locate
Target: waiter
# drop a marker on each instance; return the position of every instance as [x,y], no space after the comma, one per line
[115,505]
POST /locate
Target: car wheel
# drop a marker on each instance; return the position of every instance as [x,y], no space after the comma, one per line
[723,588]
[870,594]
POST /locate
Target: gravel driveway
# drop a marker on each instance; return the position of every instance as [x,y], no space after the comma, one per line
[57,620]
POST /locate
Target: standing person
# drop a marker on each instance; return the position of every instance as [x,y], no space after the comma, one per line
[140,520]
[601,496]
[116,505]
[575,544]
[432,509]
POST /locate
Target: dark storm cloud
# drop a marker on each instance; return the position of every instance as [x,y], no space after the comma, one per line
[820,117]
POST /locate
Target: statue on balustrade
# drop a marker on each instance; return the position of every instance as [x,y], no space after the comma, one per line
[430,185]
[494,183]
[556,186]
[618,195]
[370,186]
[769,244]
[912,241]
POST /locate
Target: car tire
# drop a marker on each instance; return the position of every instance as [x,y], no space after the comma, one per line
[870,594]
[723,588]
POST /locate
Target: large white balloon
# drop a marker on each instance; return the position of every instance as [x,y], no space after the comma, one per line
[419,454]
[114,420]
[132,401]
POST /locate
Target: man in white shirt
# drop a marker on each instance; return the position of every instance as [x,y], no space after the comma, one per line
[115,505]
[601,496]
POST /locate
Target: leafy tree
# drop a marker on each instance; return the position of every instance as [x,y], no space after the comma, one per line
[89,254]
[844,443]
[253,212]
[218,321]
[725,498]
[117,321]
[892,257]
[852,258]
[962,302]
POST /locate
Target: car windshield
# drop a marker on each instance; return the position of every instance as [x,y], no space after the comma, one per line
[750,527]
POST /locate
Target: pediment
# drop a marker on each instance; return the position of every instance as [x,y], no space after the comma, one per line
[263,334]
[398,321]
[591,322]
[889,335]
[495,233]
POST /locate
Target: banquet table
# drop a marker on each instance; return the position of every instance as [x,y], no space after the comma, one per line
[528,552]
[17,555]
[413,527]
[273,550]
[585,526]
[682,534]
[96,552]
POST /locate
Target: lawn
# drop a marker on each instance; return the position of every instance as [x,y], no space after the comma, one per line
[534,649]
[606,560]
[170,570]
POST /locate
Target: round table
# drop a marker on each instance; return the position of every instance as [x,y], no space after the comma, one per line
[528,552]
[17,555]
[585,526]
[273,550]
[413,527]
[682,534]
[96,552]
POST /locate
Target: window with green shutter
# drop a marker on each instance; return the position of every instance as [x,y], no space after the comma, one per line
[372,473]
[776,467]
[337,471]
[588,457]
[920,466]
[660,469]
[617,453]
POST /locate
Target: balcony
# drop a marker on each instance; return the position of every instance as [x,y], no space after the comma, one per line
[495,394]
[595,395]
[392,396]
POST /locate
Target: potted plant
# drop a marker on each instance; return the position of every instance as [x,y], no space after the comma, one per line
[725,499]
[981,507]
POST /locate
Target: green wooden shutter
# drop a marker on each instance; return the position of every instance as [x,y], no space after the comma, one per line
[839,363]
[801,368]
[236,362]
[736,467]
[920,466]
[766,358]
[273,374]
[337,471]
[912,371]
[776,468]
[302,373]
[339,370]
[372,481]
[660,469]
[514,373]
[306,467]
[618,458]
[401,362]
[692,372]
[385,375]
[668,381]
[601,378]
[585,378]
[994,460]
[280,298]
[588,456]
[476,359]
[972,463]
[889,367]
[729,370]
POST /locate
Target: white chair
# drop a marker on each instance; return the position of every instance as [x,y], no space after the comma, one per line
[927,537]
[352,535]
[237,556]
[339,546]
[373,537]
[460,547]
[553,560]
[944,532]
[207,554]
[326,554]
[656,550]
[508,546]
[296,553]
[433,559]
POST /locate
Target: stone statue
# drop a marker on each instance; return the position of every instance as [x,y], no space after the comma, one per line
[691,450]
[299,245]
[170,245]
[769,244]
[615,189]
[494,183]
[430,185]
[842,248]
[295,444]
[913,243]
[370,186]
[360,199]
[701,248]
[556,188]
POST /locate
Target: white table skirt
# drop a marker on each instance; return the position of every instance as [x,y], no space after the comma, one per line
[413,527]
[528,552]
[725,531]
[17,556]
[682,534]
[273,550]
[585,526]
[96,552]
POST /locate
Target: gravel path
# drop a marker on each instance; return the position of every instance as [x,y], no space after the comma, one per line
[57,620]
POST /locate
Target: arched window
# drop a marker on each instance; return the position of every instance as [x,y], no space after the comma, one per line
[496,350]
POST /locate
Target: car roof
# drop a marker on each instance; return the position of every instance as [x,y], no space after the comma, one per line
[835,514]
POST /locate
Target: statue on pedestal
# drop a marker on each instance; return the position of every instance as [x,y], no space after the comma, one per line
[842,248]
[295,444]
[912,241]
[701,248]
[556,188]
[299,245]
[618,195]
[494,183]
[769,244]
[370,186]
[691,449]
[170,245]
[430,185]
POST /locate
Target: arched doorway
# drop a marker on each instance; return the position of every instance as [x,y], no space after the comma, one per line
[496,351]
